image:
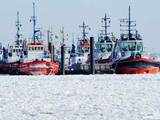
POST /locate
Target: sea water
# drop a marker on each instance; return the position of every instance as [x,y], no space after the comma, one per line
[92,97]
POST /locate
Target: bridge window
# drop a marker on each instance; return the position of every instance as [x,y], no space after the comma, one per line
[132,46]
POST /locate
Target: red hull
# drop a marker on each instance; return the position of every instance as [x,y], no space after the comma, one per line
[137,66]
[127,70]
[31,68]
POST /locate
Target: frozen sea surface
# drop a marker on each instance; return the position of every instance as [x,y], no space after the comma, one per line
[99,97]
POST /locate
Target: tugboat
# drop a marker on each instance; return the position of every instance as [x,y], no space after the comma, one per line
[105,43]
[28,57]
[81,51]
[83,46]
[128,55]
[80,54]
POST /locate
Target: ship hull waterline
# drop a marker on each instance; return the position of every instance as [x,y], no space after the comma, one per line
[30,68]
[137,66]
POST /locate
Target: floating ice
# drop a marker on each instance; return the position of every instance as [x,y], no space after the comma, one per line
[99,97]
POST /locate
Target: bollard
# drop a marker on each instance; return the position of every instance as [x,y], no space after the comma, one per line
[62,60]
[52,53]
[92,66]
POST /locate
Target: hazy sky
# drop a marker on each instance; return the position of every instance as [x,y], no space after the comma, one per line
[71,13]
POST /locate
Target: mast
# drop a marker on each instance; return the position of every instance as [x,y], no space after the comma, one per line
[84,27]
[18,27]
[73,41]
[34,22]
[36,31]
[63,36]
[129,22]
[106,20]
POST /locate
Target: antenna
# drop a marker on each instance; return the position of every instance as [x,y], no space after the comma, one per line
[84,27]
[18,26]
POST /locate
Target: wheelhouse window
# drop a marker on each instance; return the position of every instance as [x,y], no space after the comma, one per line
[132,46]
[109,47]
[105,47]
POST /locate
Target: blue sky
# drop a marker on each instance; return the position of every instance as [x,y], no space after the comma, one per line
[71,13]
